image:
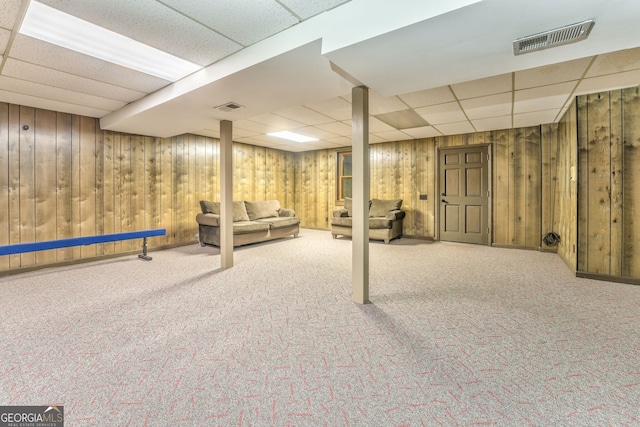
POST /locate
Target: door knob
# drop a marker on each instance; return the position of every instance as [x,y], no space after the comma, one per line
[444,201]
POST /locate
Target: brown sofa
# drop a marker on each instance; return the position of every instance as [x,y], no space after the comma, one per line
[252,222]
[385,219]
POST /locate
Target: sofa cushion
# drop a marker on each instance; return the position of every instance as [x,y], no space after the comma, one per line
[266,209]
[280,222]
[210,207]
[344,221]
[246,227]
[380,208]
[375,223]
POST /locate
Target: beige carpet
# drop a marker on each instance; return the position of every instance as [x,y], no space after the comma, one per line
[455,335]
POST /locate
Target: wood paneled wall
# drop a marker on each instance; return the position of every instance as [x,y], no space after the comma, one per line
[406,169]
[609,171]
[565,214]
[65,177]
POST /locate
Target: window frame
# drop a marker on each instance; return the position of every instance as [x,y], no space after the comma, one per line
[340,155]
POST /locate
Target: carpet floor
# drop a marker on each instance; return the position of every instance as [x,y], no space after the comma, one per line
[455,335]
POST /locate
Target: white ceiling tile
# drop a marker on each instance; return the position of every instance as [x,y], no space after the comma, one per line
[492,123]
[551,74]
[455,128]
[424,98]
[304,115]
[156,25]
[615,62]
[608,82]
[244,21]
[534,118]
[306,9]
[276,122]
[381,104]
[38,74]
[314,132]
[542,98]
[50,56]
[483,87]
[9,10]
[442,113]
[337,108]
[37,90]
[338,128]
[376,125]
[423,132]
[49,104]
[250,126]
[488,106]
[341,141]
[4,39]
[393,135]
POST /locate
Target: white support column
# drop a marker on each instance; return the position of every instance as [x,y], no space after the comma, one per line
[360,196]
[226,194]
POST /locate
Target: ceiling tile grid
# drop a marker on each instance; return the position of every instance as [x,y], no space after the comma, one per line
[38,74]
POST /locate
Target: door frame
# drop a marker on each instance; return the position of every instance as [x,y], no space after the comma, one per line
[436,199]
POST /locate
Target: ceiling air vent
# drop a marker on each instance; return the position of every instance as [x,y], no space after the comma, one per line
[229,106]
[564,35]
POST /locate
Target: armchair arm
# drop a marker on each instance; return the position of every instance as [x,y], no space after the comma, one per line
[286,212]
[339,213]
[395,215]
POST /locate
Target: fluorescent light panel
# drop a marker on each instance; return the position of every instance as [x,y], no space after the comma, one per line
[291,136]
[53,26]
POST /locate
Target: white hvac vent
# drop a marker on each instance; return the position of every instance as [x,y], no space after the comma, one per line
[558,37]
[229,106]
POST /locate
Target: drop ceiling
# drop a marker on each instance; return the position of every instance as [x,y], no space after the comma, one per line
[440,67]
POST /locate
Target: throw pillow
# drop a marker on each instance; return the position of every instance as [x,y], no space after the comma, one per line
[381,207]
[210,207]
[348,205]
[266,209]
[239,212]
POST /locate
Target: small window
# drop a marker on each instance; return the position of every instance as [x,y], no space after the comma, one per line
[344,175]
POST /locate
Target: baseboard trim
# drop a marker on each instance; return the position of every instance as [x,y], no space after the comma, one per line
[526,248]
[608,278]
[31,268]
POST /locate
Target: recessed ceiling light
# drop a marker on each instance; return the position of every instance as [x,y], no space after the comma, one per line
[291,136]
[53,26]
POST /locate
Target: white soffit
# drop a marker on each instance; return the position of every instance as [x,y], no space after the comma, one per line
[442,54]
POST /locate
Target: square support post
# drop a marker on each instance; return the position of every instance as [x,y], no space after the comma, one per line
[226,194]
[360,196]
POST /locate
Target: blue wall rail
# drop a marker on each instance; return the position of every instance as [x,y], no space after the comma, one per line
[83,241]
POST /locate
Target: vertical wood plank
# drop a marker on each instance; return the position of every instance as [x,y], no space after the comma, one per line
[87,208]
[501,187]
[166,185]
[583,184]
[27,183]
[599,199]
[631,180]
[45,182]
[99,195]
[533,184]
[14,129]
[4,183]
[617,188]
[108,189]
